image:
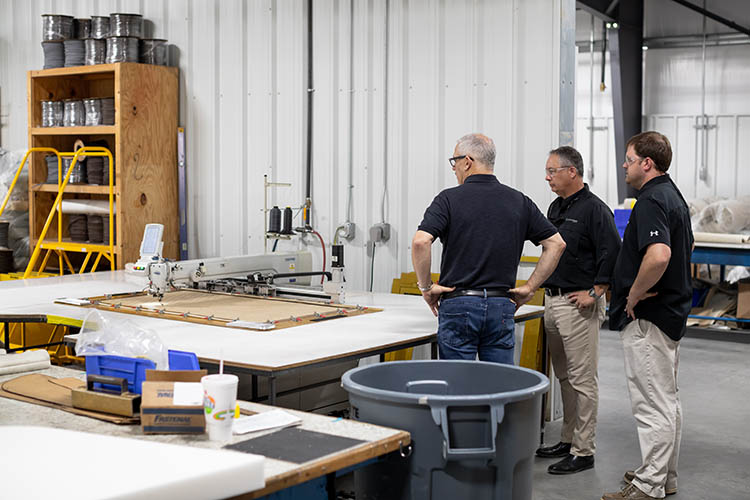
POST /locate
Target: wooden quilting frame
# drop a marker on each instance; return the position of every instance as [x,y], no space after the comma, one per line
[219,308]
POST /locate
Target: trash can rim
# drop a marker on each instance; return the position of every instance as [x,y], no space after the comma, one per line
[425,399]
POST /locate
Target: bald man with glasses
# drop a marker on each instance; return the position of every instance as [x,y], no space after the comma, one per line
[482,225]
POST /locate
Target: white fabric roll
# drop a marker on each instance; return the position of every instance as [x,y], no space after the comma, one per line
[24,361]
[721,238]
[26,367]
[88,207]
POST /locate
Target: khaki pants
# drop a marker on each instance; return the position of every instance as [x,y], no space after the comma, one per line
[651,361]
[573,340]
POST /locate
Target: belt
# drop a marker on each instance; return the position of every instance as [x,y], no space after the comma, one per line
[490,292]
[553,291]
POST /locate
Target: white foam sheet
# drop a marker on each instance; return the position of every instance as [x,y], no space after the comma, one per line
[41,462]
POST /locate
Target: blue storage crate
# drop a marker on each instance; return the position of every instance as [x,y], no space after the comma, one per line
[183,360]
[131,369]
[622,216]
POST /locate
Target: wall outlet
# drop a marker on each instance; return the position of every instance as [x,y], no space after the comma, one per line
[380,232]
[347,231]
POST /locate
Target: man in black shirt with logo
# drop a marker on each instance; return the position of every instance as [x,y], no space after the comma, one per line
[575,305]
[651,298]
[482,225]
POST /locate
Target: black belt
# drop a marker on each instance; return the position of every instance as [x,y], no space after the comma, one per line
[490,292]
[553,291]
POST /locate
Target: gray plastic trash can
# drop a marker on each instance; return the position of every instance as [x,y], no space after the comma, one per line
[474,428]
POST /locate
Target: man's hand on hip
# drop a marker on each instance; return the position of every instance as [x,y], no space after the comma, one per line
[633,301]
[581,299]
[521,295]
[432,296]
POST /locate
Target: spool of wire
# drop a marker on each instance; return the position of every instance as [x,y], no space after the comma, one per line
[99,27]
[74,53]
[82,28]
[108,110]
[95,170]
[56,27]
[73,113]
[93,109]
[4,226]
[54,54]
[130,25]
[52,169]
[274,220]
[78,227]
[95,228]
[96,51]
[153,51]
[52,113]
[105,230]
[78,176]
[287,227]
[122,49]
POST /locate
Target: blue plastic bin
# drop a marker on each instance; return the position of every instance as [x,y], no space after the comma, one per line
[134,369]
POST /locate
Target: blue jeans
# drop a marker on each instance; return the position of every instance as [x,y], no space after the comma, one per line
[470,325]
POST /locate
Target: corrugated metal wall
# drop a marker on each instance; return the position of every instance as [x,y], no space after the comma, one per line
[452,67]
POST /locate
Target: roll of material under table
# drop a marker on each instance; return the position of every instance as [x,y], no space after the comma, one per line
[24,361]
[87,207]
[721,237]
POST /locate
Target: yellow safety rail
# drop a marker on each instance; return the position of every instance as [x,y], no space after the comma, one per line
[59,246]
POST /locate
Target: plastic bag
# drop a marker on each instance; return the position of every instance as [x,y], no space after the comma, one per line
[102,336]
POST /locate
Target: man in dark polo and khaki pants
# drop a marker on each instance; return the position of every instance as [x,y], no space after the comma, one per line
[651,298]
[574,305]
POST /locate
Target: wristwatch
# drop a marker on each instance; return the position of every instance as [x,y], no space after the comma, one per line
[592,293]
[426,288]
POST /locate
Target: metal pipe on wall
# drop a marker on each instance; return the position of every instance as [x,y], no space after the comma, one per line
[310,89]
[591,102]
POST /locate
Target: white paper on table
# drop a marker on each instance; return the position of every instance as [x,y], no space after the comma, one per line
[73,301]
[262,421]
[187,394]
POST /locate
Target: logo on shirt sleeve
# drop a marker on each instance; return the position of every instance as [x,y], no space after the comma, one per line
[654,233]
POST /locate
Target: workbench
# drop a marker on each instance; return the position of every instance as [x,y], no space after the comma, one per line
[405,321]
[721,254]
[306,480]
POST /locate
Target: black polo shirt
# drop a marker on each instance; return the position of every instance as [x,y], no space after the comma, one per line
[661,215]
[483,225]
[588,227]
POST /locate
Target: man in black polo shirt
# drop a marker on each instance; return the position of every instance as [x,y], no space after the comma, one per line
[651,298]
[575,304]
[482,225]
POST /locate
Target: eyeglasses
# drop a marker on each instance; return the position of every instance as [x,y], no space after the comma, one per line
[453,160]
[630,161]
[553,171]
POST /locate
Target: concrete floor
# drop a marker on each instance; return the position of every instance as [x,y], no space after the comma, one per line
[715,455]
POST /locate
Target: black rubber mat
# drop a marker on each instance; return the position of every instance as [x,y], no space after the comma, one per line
[295,445]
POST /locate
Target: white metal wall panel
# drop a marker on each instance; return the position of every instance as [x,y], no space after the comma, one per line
[453,67]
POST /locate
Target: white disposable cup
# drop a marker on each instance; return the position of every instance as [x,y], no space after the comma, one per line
[219,400]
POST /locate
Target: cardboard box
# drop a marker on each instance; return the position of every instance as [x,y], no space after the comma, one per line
[159,414]
[743,299]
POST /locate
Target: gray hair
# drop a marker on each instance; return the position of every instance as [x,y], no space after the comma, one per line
[569,157]
[479,147]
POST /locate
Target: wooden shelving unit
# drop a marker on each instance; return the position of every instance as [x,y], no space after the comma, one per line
[143,141]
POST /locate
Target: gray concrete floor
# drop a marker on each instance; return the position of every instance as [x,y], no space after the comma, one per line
[714,462]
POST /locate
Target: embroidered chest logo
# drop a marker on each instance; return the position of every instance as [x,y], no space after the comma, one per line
[654,233]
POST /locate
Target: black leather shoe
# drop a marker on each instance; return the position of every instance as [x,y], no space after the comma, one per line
[559,450]
[571,464]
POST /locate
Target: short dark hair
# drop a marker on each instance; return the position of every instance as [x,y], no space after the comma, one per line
[570,157]
[653,145]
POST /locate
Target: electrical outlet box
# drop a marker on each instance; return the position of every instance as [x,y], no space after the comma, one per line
[347,231]
[380,232]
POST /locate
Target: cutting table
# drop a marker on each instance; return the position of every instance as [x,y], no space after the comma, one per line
[405,321]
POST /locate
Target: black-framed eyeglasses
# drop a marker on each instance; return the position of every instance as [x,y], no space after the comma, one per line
[453,160]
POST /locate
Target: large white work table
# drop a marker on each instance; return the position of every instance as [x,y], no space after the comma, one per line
[405,321]
[62,465]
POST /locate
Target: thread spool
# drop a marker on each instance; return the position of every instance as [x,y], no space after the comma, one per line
[95,51]
[74,53]
[56,27]
[337,256]
[153,51]
[78,227]
[73,113]
[130,25]
[99,27]
[52,169]
[82,28]
[4,227]
[54,54]
[93,110]
[287,226]
[108,110]
[274,222]
[52,113]
[105,230]
[95,228]
[122,49]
